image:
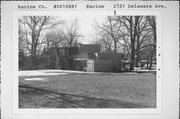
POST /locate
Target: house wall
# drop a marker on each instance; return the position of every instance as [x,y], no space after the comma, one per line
[103,66]
[78,65]
[91,49]
[90,66]
[99,66]
[114,57]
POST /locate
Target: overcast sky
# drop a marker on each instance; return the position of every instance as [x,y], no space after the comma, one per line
[86,21]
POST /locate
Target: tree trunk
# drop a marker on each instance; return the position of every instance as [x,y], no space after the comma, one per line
[32,47]
[115,46]
[133,38]
[147,63]
[132,47]
[137,51]
[137,58]
[132,58]
[151,61]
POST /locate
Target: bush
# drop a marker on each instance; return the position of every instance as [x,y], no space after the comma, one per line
[34,62]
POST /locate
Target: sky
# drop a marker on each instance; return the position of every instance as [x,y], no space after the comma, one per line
[86,21]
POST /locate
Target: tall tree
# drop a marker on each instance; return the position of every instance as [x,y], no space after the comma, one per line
[152,23]
[71,33]
[139,32]
[129,35]
[55,38]
[143,33]
[111,29]
[34,26]
[131,23]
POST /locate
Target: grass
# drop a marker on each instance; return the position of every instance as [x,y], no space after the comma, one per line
[76,90]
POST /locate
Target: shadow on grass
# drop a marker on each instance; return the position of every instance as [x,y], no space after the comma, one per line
[52,99]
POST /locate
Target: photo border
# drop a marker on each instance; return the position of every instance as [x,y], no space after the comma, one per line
[169,72]
[107,111]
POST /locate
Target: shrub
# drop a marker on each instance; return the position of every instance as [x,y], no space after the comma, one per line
[34,62]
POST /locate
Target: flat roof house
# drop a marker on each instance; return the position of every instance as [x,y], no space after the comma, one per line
[87,57]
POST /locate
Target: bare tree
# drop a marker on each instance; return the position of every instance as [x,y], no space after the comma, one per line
[33,27]
[143,34]
[71,33]
[106,43]
[112,30]
[152,23]
[140,32]
[55,38]
[146,39]
[131,23]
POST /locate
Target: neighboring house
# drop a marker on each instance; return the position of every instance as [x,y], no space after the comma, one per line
[87,57]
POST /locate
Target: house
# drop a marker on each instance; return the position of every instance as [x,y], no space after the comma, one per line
[62,57]
[87,57]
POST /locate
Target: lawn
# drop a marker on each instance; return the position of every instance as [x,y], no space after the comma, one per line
[59,89]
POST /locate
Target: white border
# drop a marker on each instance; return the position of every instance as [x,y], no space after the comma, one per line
[122,111]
